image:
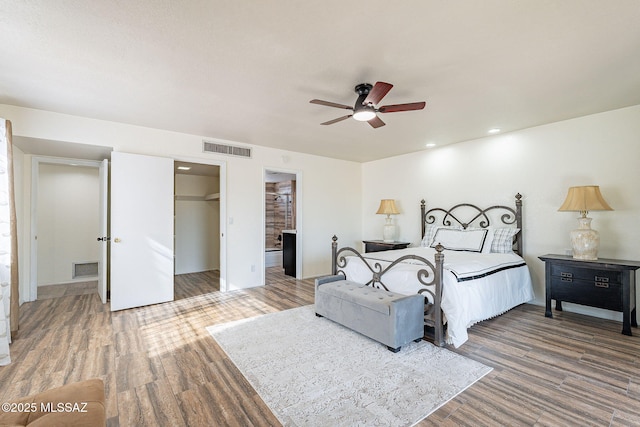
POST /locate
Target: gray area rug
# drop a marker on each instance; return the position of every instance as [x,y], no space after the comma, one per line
[311,371]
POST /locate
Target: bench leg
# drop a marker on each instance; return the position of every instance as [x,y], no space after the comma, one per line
[394,350]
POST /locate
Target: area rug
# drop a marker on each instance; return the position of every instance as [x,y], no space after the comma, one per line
[311,371]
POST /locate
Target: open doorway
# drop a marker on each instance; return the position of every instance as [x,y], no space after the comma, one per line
[144,231]
[36,152]
[197,229]
[280,224]
[67,220]
[68,206]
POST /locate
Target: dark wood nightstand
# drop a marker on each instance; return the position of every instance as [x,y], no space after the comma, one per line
[603,283]
[381,245]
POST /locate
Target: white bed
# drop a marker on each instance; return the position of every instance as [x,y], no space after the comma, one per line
[476,286]
[469,267]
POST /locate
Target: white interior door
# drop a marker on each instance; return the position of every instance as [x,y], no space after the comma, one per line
[102,263]
[142,193]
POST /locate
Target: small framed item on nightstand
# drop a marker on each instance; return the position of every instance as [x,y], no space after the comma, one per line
[381,245]
[602,283]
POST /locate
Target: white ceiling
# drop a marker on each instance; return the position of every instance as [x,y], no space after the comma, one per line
[246,70]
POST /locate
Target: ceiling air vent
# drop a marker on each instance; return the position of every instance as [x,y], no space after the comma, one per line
[230,150]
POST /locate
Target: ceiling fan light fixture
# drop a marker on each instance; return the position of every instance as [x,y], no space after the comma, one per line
[364,115]
[365,109]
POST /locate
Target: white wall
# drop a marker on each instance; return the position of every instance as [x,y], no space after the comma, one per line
[197,224]
[540,163]
[324,210]
[67,221]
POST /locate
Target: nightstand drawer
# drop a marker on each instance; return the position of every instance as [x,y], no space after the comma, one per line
[569,272]
[379,245]
[594,293]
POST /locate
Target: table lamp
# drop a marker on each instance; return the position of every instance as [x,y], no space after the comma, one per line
[388,208]
[584,239]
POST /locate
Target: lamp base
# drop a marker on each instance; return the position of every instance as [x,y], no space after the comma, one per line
[389,231]
[585,240]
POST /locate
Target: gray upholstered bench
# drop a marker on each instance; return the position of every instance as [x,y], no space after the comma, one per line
[389,318]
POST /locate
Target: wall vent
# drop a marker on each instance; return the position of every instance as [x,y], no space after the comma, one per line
[84,269]
[230,150]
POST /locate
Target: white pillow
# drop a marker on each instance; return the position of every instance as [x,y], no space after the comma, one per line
[427,240]
[461,240]
[503,240]
[486,248]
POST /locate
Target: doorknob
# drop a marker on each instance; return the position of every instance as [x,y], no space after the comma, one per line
[117,240]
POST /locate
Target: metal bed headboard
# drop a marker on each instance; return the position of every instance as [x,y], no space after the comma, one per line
[475,216]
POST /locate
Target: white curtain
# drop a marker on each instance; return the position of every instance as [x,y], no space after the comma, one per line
[5,246]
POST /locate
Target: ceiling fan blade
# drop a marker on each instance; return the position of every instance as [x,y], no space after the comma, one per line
[402,107]
[339,119]
[376,122]
[330,104]
[379,90]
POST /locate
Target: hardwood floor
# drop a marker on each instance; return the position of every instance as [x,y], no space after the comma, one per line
[192,284]
[57,291]
[162,368]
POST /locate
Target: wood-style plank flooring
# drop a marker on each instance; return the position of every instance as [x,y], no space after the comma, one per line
[57,291]
[162,368]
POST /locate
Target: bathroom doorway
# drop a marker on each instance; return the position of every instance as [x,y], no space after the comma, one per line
[280,239]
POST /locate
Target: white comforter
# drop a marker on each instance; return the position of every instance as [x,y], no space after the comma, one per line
[476,286]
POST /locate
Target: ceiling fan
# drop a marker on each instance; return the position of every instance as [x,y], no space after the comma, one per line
[365,108]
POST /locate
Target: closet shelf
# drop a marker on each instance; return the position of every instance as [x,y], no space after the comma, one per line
[190,198]
[208,197]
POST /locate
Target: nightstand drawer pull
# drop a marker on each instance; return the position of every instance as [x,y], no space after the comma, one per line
[601,284]
[563,274]
[601,279]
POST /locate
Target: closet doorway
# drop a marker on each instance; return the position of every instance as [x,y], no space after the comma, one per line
[68,213]
[197,229]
